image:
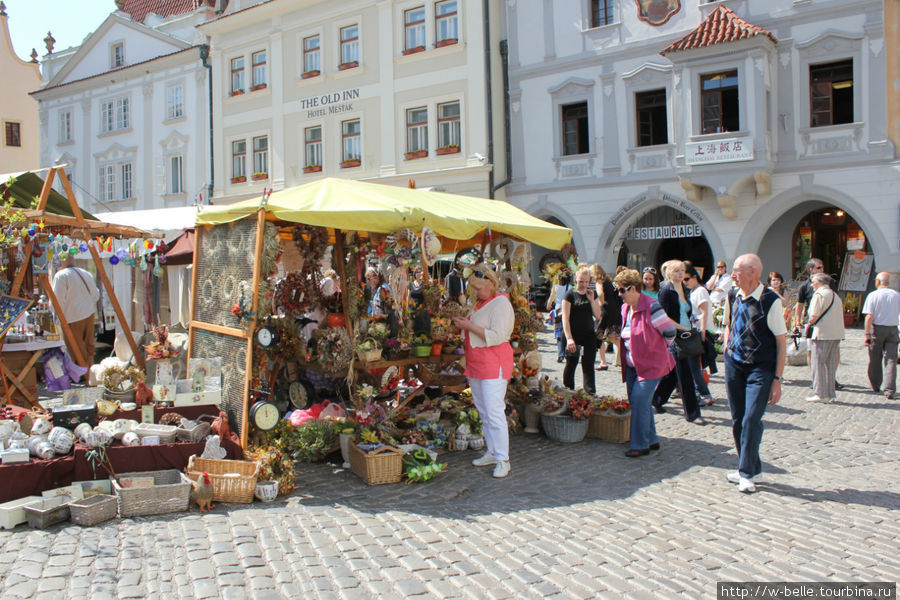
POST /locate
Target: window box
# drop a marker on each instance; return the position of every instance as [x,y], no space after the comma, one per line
[310,74]
[448,150]
[416,154]
[415,50]
[261,86]
[312,169]
[447,42]
[348,65]
[237,92]
[349,164]
[260,176]
[240,179]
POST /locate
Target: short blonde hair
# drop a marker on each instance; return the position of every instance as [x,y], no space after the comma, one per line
[487,274]
[628,277]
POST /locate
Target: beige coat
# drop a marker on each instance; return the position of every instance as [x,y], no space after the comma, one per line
[831,325]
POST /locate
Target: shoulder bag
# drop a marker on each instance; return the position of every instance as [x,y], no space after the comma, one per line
[811,327]
[688,344]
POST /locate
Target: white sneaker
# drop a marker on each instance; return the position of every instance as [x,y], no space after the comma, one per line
[746,486]
[502,469]
[817,399]
[484,461]
[735,477]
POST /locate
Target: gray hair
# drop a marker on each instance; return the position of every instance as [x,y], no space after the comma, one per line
[821,278]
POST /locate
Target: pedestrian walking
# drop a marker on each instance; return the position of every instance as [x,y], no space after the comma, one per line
[674,298]
[754,362]
[801,312]
[827,320]
[554,303]
[646,332]
[700,320]
[609,324]
[489,363]
[579,308]
[882,310]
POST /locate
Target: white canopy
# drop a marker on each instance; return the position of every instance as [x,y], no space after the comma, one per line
[159,220]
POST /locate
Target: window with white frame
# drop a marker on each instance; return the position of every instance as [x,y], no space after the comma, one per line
[313,146]
[350,46]
[351,147]
[115,182]
[237,75]
[117,55]
[312,55]
[260,155]
[176,174]
[652,121]
[602,12]
[238,159]
[417,129]
[174,102]
[831,93]
[575,129]
[445,20]
[448,125]
[258,59]
[65,126]
[114,115]
[414,24]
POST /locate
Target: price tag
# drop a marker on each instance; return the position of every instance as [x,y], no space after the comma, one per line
[147,413]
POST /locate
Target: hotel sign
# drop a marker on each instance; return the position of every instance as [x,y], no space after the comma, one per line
[329,104]
[719,151]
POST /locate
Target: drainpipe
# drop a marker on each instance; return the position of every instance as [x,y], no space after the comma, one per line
[489,95]
[504,58]
[204,56]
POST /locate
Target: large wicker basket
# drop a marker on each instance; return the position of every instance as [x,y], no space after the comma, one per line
[610,428]
[564,428]
[384,465]
[93,510]
[170,492]
[232,480]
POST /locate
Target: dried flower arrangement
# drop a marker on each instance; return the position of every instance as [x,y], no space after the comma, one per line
[161,347]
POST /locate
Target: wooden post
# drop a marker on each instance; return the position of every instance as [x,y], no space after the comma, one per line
[29,247]
[193,306]
[67,331]
[126,328]
[254,303]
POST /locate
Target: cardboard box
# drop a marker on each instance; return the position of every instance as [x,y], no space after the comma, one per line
[13,513]
[71,416]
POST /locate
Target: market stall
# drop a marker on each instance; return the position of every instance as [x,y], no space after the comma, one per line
[259,263]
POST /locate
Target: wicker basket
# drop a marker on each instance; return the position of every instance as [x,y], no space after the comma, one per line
[564,428]
[610,428]
[93,510]
[384,465]
[166,433]
[170,492]
[232,480]
[48,511]
[195,434]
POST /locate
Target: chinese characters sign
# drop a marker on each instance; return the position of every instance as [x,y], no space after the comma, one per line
[719,151]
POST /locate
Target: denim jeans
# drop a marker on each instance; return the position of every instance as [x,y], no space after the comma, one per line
[643,425]
[699,381]
[748,395]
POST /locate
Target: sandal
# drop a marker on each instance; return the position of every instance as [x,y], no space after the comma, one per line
[603,367]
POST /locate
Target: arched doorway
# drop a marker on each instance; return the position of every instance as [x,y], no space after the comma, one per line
[664,233]
[827,233]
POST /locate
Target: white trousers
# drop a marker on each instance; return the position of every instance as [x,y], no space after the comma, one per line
[490,400]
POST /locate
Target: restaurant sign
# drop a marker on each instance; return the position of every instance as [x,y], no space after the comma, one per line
[719,151]
[664,232]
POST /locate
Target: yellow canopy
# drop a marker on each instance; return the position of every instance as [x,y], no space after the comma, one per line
[361,206]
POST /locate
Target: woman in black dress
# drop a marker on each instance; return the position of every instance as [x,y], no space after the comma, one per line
[611,321]
[579,308]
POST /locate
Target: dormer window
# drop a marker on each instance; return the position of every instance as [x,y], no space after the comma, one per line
[117,55]
[719,102]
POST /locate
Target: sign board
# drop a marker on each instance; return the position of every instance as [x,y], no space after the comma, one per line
[719,151]
[11,308]
[856,272]
[664,232]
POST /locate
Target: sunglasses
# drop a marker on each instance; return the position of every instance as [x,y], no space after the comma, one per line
[479,275]
[622,290]
[649,270]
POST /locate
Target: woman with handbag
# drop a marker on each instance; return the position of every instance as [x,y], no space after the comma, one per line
[826,321]
[674,298]
[646,332]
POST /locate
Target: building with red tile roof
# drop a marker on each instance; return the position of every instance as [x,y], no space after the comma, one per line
[139,9]
[720,26]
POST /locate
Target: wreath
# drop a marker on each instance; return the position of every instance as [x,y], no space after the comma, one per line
[295,294]
[312,242]
[334,349]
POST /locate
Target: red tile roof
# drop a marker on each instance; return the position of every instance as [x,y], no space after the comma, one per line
[722,25]
[139,9]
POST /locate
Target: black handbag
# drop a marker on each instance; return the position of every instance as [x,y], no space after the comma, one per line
[687,344]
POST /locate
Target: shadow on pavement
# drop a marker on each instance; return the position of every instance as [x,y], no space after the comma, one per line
[890,500]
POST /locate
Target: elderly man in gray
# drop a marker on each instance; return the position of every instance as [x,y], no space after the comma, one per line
[882,310]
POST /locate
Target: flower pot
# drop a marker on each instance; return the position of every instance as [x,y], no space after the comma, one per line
[261,86]
[415,50]
[448,150]
[532,418]
[309,74]
[313,169]
[436,349]
[241,179]
[421,351]
[266,491]
[347,164]
[336,320]
[849,319]
[416,154]
[345,440]
[260,177]
[348,65]
[446,42]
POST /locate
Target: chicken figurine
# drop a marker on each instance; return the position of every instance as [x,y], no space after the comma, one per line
[202,492]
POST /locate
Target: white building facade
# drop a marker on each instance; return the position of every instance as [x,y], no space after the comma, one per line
[128,110]
[705,130]
[389,91]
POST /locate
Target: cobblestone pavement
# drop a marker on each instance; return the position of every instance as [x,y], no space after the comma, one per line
[571,521]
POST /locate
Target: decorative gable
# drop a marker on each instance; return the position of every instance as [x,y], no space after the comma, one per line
[720,26]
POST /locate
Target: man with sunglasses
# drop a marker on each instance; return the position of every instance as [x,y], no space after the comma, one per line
[719,284]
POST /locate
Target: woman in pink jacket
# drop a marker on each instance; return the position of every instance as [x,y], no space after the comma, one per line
[646,334]
[489,363]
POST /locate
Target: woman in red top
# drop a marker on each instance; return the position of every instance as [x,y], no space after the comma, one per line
[489,363]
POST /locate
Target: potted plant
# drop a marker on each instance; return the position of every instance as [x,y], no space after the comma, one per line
[350,163]
[393,349]
[260,176]
[414,50]
[310,74]
[448,149]
[611,419]
[851,306]
[260,86]
[421,345]
[237,92]
[445,42]
[239,179]
[348,65]
[414,154]
[312,168]
[565,415]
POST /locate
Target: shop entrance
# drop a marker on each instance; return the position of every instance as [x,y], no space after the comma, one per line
[662,234]
[827,233]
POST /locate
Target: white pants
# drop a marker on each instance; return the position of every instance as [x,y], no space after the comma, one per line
[490,400]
